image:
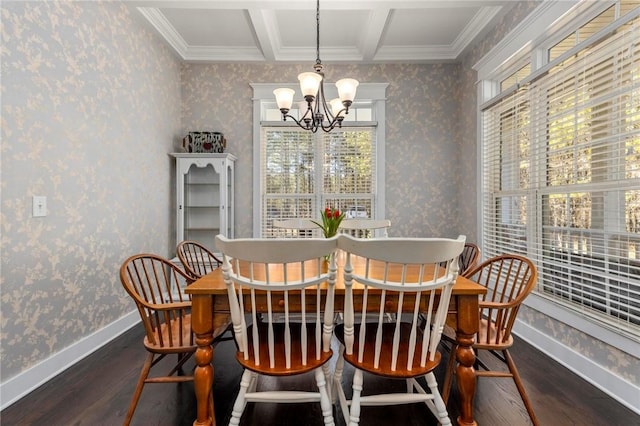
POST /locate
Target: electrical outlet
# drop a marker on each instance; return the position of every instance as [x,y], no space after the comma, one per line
[39,205]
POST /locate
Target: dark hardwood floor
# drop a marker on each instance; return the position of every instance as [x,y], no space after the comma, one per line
[97,391]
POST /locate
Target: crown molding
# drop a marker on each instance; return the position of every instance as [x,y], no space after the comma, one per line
[521,36]
[157,19]
[415,53]
[473,28]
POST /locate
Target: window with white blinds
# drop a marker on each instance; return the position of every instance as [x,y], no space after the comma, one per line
[561,176]
[303,173]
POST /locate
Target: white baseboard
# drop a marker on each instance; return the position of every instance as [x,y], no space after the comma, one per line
[615,386]
[20,385]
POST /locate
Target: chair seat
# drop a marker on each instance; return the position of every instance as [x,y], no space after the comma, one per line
[167,340]
[384,368]
[489,337]
[279,368]
[449,334]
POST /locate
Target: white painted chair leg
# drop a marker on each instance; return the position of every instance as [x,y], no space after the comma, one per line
[238,406]
[337,374]
[329,379]
[338,391]
[325,401]
[354,412]
[440,408]
[254,383]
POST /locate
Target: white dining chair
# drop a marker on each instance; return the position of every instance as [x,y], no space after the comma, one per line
[365,228]
[405,349]
[297,228]
[281,274]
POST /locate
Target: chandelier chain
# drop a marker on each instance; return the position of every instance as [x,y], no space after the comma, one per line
[318,61]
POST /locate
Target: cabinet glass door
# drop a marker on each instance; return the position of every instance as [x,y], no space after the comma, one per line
[202,205]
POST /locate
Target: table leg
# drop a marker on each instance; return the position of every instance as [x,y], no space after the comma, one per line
[202,325]
[468,323]
[466,378]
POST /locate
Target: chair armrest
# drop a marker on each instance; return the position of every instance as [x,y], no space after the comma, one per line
[497,305]
[168,306]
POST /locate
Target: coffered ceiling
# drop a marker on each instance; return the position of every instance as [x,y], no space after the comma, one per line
[354,31]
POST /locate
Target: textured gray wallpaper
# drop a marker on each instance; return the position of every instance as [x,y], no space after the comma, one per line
[90,109]
[422,140]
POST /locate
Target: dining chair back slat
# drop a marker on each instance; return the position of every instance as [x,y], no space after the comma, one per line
[196,259]
[469,258]
[297,228]
[157,287]
[509,280]
[365,227]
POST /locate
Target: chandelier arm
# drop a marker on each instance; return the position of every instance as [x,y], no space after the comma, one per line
[336,122]
[323,101]
[301,123]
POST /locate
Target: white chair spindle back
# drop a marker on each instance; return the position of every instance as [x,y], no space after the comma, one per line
[247,266]
[405,284]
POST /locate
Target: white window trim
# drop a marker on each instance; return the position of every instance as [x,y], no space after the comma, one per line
[530,37]
[374,92]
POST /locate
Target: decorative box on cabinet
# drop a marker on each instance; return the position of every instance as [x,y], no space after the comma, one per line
[204,197]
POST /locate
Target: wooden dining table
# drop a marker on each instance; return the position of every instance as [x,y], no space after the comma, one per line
[210,315]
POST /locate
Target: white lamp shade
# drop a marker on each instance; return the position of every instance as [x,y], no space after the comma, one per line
[347,89]
[336,107]
[309,83]
[284,97]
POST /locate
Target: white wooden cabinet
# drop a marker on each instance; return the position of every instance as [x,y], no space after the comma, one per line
[204,197]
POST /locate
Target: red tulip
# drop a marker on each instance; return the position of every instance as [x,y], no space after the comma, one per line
[331,219]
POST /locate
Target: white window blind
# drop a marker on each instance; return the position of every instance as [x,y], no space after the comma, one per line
[302,173]
[561,178]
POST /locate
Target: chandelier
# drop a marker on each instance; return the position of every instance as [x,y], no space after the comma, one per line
[318,113]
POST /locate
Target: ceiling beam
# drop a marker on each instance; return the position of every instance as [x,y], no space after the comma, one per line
[375,31]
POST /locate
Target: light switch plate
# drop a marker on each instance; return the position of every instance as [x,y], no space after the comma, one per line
[39,205]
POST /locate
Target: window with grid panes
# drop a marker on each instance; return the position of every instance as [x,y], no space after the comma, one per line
[561,171]
[304,172]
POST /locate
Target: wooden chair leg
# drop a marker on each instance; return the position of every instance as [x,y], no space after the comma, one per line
[520,386]
[448,378]
[144,373]
[182,359]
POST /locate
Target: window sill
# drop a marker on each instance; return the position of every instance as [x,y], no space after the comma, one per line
[600,332]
